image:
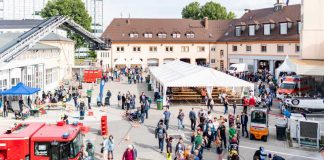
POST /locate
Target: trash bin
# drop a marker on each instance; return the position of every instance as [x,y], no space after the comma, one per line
[281,130]
[149,87]
[89,92]
[159,104]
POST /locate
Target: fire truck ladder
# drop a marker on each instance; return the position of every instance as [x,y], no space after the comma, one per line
[28,39]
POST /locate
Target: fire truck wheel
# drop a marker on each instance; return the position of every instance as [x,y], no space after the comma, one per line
[295,101]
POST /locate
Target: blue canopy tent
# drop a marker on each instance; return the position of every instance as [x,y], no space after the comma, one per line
[20,89]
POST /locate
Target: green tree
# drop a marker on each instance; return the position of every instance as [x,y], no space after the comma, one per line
[75,10]
[191,11]
[212,10]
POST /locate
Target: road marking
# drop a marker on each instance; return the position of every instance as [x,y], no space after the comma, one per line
[287,154]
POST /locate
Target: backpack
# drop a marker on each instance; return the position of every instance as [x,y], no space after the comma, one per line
[160,133]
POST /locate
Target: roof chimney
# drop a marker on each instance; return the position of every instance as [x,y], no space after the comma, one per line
[247,10]
[206,22]
[128,19]
[279,5]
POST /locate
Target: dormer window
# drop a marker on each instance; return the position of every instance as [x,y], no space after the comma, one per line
[190,35]
[148,35]
[251,30]
[283,28]
[133,35]
[162,35]
[176,35]
[266,29]
[238,31]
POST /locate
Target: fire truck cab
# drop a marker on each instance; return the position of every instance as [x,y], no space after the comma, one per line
[296,85]
[40,141]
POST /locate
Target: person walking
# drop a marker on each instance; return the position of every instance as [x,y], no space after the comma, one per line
[222,134]
[245,103]
[193,119]
[123,101]
[234,107]
[244,122]
[180,147]
[21,104]
[160,134]
[169,148]
[108,96]
[128,154]
[5,109]
[225,105]
[143,112]
[109,146]
[180,119]
[147,107]
[167,115]
[119,98]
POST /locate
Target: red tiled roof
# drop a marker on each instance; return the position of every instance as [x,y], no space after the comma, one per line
[289,13]
[120,28]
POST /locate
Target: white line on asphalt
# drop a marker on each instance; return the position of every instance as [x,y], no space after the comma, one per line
[287,154]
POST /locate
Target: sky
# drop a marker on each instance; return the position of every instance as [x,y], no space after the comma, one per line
[173,8]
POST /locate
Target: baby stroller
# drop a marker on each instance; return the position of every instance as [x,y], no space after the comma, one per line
[233,150]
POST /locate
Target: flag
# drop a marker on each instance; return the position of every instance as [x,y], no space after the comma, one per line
[102,86]
[287,2]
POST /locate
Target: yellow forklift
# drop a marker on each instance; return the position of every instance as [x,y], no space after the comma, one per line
[259,124]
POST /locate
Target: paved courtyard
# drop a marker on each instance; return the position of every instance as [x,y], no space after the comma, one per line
[142,136]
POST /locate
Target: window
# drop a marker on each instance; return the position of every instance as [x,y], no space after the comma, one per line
[169,49]
[120,49]
[212,61]
[221,65]
[248,48]
[284,28]
[264,48]
[190,35]
[213,49]
[251,30]
[176,35]
[14,81]
[184,48]
[267,29]
[41,149]
[297,48]
[48,76]
[238,30]
[153,49]
[221,53]
[201,49]
[133,35]
[136,49]
[234,48]
[299,25]
[280,48]
[148,35]
[162,35]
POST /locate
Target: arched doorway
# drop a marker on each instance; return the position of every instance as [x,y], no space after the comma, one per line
[167,60]
[263,65]
[277,64]
[187,60]
[151,62]
[201,61]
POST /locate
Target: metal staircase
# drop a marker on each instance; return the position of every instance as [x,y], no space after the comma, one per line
[28,39]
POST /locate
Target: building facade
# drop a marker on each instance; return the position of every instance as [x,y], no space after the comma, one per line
[44,66]
[30,9]
[157,41]
[261,38]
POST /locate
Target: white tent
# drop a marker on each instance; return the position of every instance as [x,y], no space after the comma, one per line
[120,61]
[286,66]
[181,74]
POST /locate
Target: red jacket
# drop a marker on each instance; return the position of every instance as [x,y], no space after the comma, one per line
[252,101]
[128,155]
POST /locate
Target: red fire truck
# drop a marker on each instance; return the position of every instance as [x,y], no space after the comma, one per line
[296,85]
[40,141]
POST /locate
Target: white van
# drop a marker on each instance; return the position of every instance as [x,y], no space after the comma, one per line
[238,68]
